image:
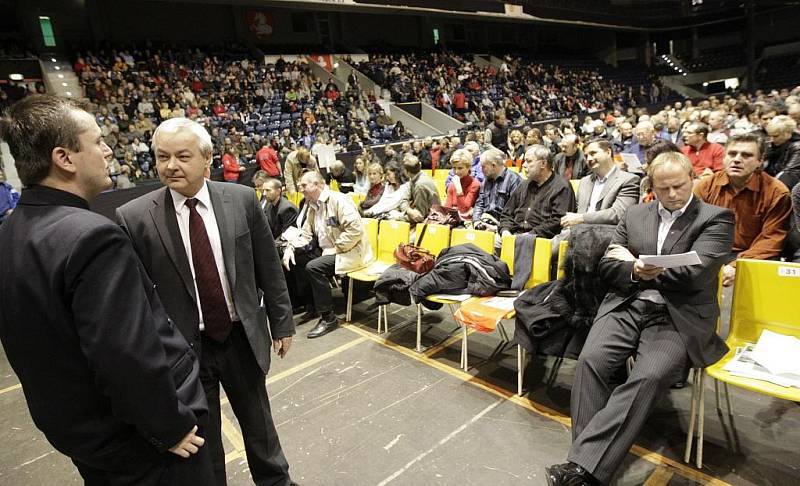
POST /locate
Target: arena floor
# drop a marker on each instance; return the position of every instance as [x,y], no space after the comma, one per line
[357,408]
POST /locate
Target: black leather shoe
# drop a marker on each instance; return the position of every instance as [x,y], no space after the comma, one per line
[678,385]
[569,474]
[323,327]
[309,315]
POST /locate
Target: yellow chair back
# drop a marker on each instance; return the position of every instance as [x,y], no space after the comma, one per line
[764,296]
[575,183]
[482,239]
[436,239]
[334,186]
[391,234]
[542,257]
[357,198]
[562,257]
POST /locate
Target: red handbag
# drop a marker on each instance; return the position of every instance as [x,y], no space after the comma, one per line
[413,257]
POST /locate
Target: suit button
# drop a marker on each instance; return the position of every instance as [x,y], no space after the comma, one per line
[191,345]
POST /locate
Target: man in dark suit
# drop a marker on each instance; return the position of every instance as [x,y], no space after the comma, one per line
[281,214]
[665,318]
[208,248]
[107,378]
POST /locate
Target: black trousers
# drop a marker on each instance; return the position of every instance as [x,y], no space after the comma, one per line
[139,464]
[233,365]
[319,270]
[606,421]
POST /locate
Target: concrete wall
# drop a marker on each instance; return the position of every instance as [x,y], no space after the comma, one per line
[441,121]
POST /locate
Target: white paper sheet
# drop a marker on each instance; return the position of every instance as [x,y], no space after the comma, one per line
[631,160]
[502,303]
[777,353]
[456,297]
[672,261]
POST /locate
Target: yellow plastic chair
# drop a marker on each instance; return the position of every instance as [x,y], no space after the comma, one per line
[540,273]
[441,190]
[436,238]
[334,186]
[764,298]
[427,172]
[480,238]
[371,229]
[390,234]
[575,183]
[562,256]
[357,198]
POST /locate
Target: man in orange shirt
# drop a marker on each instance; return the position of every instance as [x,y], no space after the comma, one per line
[761,203]
[707,158]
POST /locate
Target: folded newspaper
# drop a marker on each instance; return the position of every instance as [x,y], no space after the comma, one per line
[772,359]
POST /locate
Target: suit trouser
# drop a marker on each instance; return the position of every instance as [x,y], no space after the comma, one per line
[233,365]
[319,270]
[146,467]
[605,422]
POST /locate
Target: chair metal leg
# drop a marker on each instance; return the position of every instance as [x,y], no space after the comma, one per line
[520,368]
[728,399]
[419,328]
[464,350]
[716,392]
[687,456]
[386,318]
[701,419]
[380,312]
[350,301]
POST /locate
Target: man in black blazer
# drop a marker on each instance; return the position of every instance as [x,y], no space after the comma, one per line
[106,376]
[279,211]
[208,248]
[665,318]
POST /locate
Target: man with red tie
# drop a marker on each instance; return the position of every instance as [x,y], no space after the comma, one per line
[209,250]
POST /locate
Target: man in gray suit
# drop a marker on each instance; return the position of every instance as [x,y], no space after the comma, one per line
[605,194]
[210,253]
[665,318]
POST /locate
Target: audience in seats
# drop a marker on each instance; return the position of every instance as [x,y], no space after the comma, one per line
[475,149]
[605,194]
[463,190]
[718,132]
[796,220]
[395,191]
[782,158]
[761,203]
[343,177]
[706,157]
[297,162]
[539,203]
[496,133]
[570,163]
[334,224]
[376,186]
[421,195]
[361,183]
[496,189]
[268,159]
[645,135]
[665,318]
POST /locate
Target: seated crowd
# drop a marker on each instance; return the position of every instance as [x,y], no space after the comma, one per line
[246,104]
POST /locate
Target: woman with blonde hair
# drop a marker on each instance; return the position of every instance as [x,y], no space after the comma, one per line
[463,189]
[376,186]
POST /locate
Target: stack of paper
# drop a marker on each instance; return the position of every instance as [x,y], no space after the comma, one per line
[772,359]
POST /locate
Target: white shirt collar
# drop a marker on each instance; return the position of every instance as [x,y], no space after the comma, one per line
[666,214]
[179,200]
[603,180]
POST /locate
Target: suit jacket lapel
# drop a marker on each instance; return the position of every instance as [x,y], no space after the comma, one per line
[679,226]
[584,194]
[166,222]
[225,215]
[650,227]
[612,180]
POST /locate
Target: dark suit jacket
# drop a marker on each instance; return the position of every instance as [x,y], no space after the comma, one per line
[251,262]
[691,291]
[579,167]
[620,192]
[280,216]
[106,376]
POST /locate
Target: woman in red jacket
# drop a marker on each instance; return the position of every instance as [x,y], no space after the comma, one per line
[463,189]
[230,165]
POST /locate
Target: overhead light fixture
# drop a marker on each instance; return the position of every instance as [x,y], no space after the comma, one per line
[53,59]
[68,93]
[705,83]
[684,74]
[58,68]
[60,76]
[15,77]
[63,84]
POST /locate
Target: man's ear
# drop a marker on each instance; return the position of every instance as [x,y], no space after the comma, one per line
[61,159]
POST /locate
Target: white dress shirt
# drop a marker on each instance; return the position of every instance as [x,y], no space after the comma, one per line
[320,221]
[597,189]
[206,211]
[666,220]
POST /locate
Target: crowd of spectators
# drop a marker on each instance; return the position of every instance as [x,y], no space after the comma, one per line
[528,91]
[245,103]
